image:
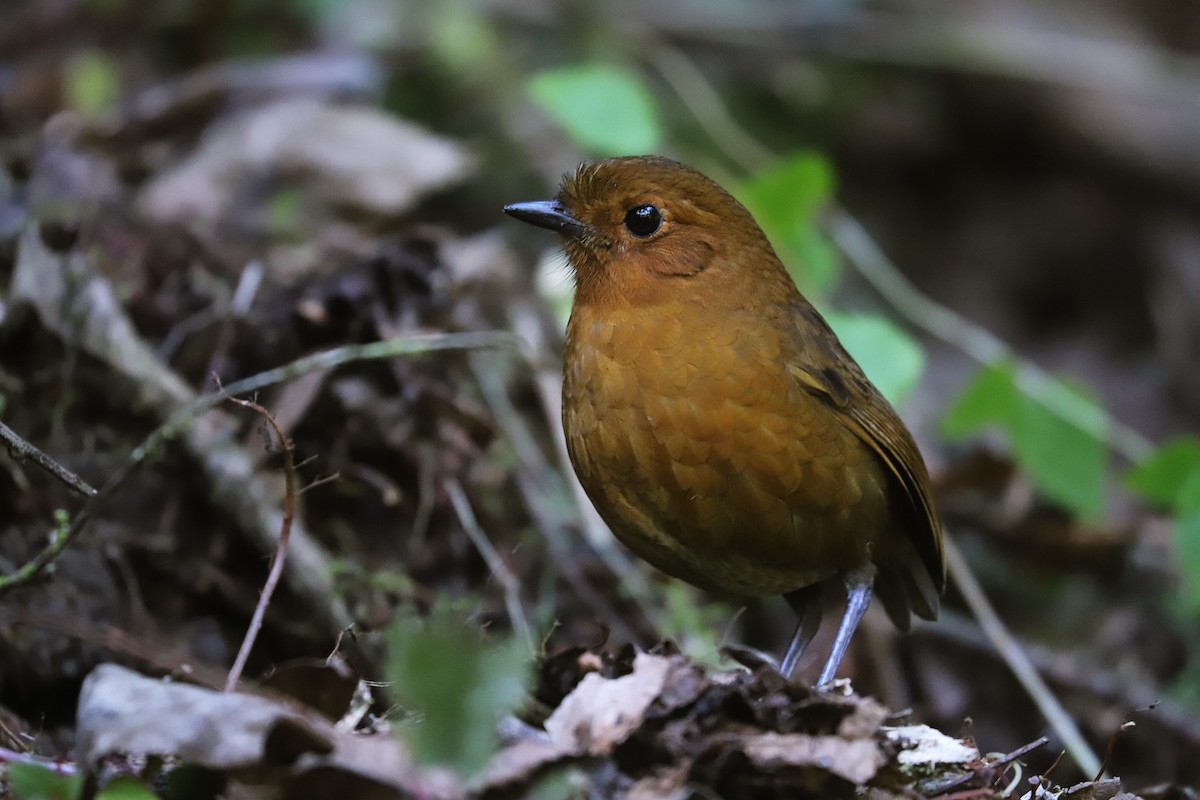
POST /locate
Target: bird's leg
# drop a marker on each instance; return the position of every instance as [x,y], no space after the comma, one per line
[806,603]
[859,583]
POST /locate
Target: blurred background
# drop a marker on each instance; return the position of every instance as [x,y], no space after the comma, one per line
[997,204]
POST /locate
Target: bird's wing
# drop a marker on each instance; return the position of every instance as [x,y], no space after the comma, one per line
[829,372]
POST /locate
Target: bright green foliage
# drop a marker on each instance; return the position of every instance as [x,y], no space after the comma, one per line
[988,399]
[606,110]
[785,200]
[1060,453]
[892,359]
[1161,476]
[1170,477]
[125,788]
[91,83]
[1064,461]
[33,782]
[458,680]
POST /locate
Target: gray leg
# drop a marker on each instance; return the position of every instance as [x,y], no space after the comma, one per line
[806,603]
[859,583]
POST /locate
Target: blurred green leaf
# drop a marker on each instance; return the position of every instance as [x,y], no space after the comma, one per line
[990,398]
[462,37]
[1071,401]
[459,680]
[1161,476]
[283,213]
[785,199]
[125,788]
[693,625]
[1188,501]
[1187,537]
[91,83]
[560,784]
[1065,462]
[606,110]
[892,359]
[35,782]
[1187,543]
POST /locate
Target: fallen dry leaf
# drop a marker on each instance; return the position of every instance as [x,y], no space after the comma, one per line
[254,739]
[347,156]
[121,711]
[601,713]
[1107,789]
[855,760]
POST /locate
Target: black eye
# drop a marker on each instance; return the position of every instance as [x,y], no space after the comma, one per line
[643,220]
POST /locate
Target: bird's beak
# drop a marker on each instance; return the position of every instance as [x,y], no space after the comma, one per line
[551,215]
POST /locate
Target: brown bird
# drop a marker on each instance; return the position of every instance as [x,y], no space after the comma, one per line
[714,419]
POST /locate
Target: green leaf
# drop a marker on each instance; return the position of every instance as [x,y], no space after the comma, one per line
[785,200]
[462,37]
[990,398]
[606,110]
[459,680]
[1064,461]
[1187,544]
[35,782]
[1071,401]
[1187,502]
[892,359]
[125,788]
[1160,476]
[91,83]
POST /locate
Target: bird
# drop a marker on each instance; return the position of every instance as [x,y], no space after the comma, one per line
[714,419]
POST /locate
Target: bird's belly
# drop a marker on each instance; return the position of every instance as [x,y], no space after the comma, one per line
[718,469]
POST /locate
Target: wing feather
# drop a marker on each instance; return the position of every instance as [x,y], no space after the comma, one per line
[830,373]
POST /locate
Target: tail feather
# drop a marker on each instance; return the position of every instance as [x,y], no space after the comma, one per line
[905,587]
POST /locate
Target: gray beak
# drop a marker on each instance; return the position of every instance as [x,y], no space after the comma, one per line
[549,214]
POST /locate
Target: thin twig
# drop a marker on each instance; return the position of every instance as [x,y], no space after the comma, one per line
[55,765]
[1021,751]
[285,530]
[509,582]
[20,449]
[1018,661]
[707,108]
[1112,746]
[179,421]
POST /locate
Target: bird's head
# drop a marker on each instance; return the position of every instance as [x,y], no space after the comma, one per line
[639,230]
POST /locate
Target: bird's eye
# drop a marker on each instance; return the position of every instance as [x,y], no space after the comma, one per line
[643,220]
